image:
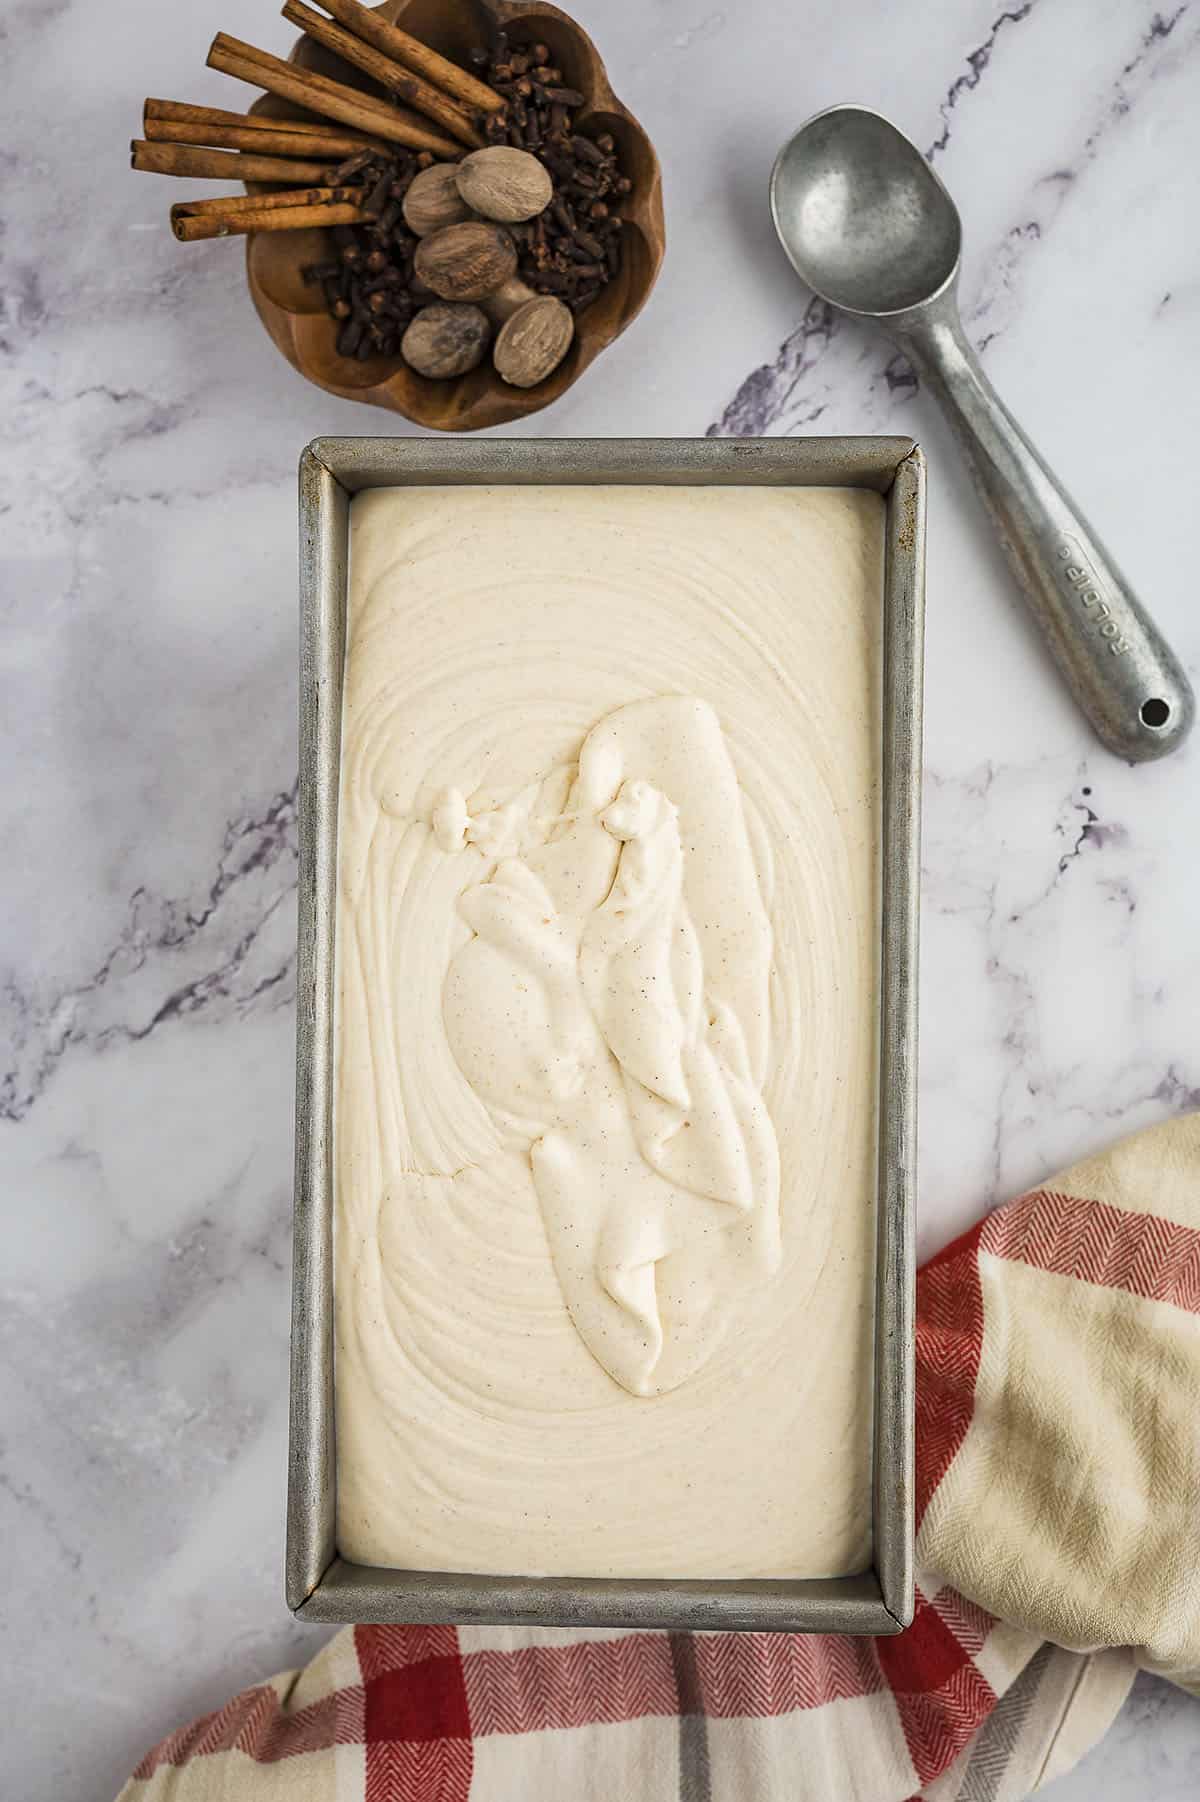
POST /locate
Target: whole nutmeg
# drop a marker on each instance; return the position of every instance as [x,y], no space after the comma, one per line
[534,341]
[467,261]
[444,340]
[504,302]
[433,200]
[504,183]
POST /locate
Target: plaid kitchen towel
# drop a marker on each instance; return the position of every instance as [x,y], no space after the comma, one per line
[1058,1452]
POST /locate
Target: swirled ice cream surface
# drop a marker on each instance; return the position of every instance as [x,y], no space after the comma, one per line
[605,1106]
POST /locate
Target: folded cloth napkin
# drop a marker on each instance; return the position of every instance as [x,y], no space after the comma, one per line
[1058,1512]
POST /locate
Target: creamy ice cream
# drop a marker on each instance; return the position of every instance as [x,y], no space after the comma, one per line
[606,952]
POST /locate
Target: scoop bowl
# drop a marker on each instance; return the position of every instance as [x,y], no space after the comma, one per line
[865,221]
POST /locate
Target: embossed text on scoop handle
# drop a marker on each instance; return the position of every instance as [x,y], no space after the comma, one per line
[1122,672]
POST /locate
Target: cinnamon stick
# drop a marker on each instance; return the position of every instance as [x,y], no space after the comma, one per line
[403,48]
[237,137]
[389,74]
[219,165]
[183,112]
[257,203]
[189,226]
[332,99]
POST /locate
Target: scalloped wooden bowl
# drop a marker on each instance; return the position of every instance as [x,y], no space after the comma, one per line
[294,313]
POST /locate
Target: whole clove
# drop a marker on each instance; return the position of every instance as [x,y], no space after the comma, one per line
[366,287]
[583,254]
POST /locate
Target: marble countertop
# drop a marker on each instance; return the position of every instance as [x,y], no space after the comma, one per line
[148,785]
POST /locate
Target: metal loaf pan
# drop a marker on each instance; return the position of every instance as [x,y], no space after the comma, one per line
[321,1586]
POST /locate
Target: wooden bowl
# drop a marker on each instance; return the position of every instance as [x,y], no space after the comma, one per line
[294,313]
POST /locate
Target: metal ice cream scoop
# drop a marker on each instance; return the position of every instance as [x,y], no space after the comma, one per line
[870,228]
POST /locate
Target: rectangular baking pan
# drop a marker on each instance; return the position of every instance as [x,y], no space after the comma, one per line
[321,1586]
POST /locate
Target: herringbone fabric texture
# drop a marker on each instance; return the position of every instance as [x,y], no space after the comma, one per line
[1058,1512]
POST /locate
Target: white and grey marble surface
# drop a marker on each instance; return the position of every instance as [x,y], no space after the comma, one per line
[148,778]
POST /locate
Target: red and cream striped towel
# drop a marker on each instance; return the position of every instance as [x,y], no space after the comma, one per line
[1058,1450]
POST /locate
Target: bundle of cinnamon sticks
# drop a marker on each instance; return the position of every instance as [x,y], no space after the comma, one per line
[432,107]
